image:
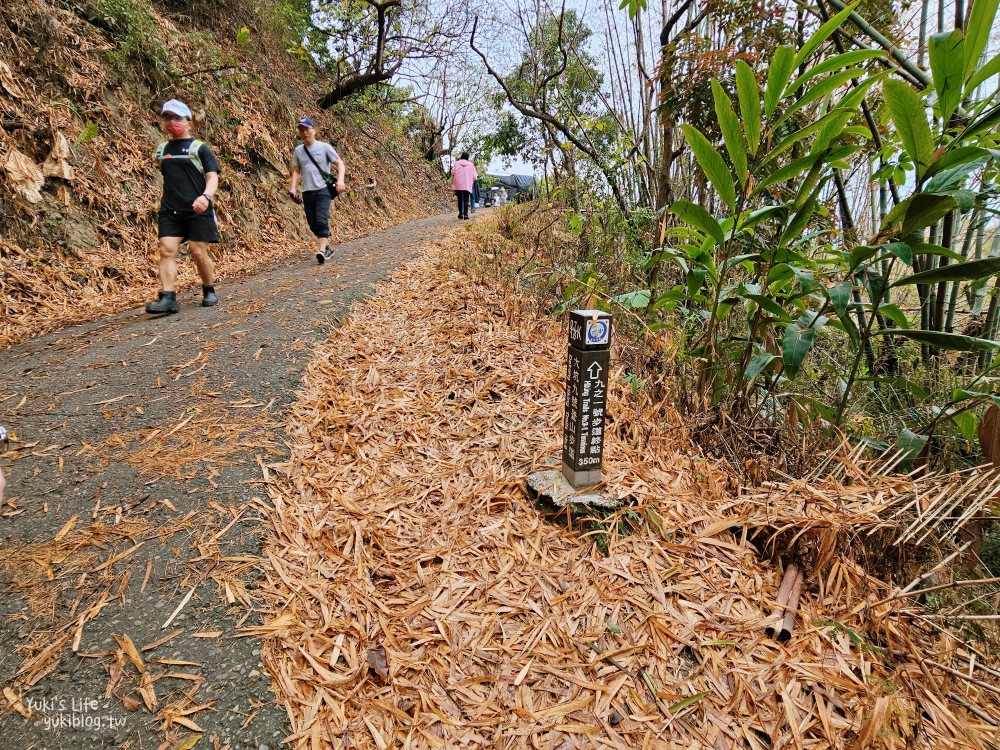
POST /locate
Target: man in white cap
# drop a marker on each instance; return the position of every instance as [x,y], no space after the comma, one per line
[312,163]
[190,179]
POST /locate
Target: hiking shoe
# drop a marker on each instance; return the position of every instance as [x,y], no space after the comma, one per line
[328,252]
[165,304]
[209,298]
[321,257]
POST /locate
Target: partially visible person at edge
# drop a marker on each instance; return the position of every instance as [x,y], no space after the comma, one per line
[308,167]
[3,449]
[475,195]
[463,177]
[190,179]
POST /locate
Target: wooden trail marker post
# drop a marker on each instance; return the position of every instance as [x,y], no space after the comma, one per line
[586,396]
[587,365]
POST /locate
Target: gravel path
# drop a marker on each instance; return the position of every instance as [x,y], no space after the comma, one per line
[135,487]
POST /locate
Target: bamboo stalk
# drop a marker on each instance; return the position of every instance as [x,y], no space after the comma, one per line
[788,621]
[784,592]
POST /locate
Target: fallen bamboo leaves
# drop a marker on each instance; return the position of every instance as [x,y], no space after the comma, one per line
[417,600]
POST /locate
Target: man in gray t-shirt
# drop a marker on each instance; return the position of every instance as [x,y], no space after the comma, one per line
[313,168]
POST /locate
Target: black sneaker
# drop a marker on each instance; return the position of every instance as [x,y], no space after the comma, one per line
[321,257]
[328,252]
[165,304]
[209,298]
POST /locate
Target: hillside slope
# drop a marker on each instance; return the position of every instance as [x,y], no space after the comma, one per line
[80,89]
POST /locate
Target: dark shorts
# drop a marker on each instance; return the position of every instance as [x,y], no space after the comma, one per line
[317,206]
[189,225]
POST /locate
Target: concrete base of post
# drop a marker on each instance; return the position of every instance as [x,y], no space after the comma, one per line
[581,479]
[550,486]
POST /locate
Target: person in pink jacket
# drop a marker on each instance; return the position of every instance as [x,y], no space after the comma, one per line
[463,175]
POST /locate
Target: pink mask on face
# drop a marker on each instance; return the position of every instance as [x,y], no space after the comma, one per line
[175,129]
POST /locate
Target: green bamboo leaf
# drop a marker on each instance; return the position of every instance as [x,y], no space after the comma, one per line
[974,269]
[893,313]
[758,364]
[768,304]
[822,34]
[782,65]
[805,278]
[911,443]
[798,341]
[986,72]
[732,133]
[980,24]
[840,296]
[814,127]
[947,55]
[697,216]
[906,108]
[836,62]
[902,251]
[967,424]
[820,90]
[953,172]
[926,248]
[637,300]
[919,211]
[690,701]
[712,164]
[938,339]
[748,94]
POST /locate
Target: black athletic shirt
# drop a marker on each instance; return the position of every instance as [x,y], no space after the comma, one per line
[182,182]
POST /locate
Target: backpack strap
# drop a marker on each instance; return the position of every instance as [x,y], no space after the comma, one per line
[193,154]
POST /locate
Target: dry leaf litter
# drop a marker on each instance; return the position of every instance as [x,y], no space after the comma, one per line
[418,600]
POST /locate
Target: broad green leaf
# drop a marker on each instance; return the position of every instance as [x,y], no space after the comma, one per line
[911,443]
[732,133]
[954,166]
[918,211]
[831,130]
[752,219]
[967,424]
[798,340]
[947,55]
[787,172]
[840,296]
[712,164]
[694,214]
[902,251]
[822,34]
[768,304]
[749,97]
[790,140]
[243,36]
[852,100]
[836,62]
[758,364]
[974,269]
[986,72]
[980,24]
[782,65]
[906,108]
[638,299]
[925,248]
[894,314]
[820,90]
[634,6]
[805,278]
[940,340]
[798,222]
